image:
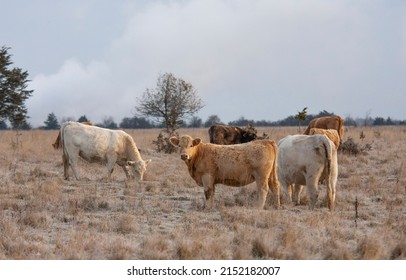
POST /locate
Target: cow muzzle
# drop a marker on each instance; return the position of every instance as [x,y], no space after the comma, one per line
[184,156]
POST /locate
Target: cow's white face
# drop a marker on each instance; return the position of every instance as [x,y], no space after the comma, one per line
[186,145]
[138,167]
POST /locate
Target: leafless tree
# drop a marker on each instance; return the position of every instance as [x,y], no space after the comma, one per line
[170,102]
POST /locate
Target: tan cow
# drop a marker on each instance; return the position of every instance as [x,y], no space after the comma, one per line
[57,145]
[332,134]
[329,122]
[308,160]
[231,165]
[96,144]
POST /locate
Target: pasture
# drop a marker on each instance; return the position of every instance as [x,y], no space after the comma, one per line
[42,216]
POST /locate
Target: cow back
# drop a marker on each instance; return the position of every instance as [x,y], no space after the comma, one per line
[230,135]
[328,122]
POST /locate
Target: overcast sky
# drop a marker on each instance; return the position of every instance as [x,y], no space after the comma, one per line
[264,60]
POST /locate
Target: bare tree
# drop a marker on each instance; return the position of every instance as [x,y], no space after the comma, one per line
[170,102]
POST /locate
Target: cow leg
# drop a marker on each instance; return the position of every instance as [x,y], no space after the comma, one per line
[209,188]
[125,167]
[290,191]
[333,181]
[73,164]
[287,191]
[262,188]
[312,189]
[276,193]
[127,173]
[331,188]
[65,166]
[297,192]
[110,167]
[273,183]
[330,196]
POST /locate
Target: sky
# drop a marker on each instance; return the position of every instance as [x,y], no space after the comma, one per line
[258,59]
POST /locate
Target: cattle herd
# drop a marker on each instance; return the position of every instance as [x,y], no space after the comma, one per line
[234,157]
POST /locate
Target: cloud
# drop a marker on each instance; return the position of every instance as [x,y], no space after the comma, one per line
[258,59]
[77,90]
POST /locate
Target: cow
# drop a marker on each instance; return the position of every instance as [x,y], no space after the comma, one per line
[328,122]
[307,160]
[332,134]
[229,135]
[232,165]
[57,144]
[96,144]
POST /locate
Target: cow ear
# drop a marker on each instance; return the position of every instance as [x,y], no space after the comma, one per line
[147,161]
[196,141]
[130,163]
[174,141]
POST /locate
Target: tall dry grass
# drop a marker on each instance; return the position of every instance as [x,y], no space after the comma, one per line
[43,216]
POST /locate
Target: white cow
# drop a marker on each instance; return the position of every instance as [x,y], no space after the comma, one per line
[95,144]
[308,160]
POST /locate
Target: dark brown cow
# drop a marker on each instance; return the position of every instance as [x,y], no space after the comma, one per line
[57,145]
[229,135]
[329,122]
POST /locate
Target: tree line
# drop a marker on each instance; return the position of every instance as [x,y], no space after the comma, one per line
[173,103]
[195,122]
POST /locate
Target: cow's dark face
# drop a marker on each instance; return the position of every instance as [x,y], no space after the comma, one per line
[249,135]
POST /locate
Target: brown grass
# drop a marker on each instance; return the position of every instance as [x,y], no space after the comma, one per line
[43,216]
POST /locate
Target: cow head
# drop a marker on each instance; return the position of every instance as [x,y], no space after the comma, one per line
[138,167]
[249,134]
[186,144]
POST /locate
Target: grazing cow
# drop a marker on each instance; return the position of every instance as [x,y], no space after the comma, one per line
[229,135]
[332,134]
[329,122]
[233,165]
[95,144]
[308,160]
[57,145]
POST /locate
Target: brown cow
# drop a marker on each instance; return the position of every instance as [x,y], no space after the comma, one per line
[232,165]
[329,122]
[229,135]
[57,145]
[332,134]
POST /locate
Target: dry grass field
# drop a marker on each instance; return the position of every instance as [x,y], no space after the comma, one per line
[42,216]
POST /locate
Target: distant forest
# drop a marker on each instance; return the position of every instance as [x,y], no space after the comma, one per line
[195,122]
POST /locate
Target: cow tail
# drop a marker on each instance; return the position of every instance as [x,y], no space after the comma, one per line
[341,129]
[61,134]
[328,166]
[273,178]
[327,150]
[61,142]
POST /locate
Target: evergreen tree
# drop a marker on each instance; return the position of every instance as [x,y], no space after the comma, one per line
[301,116]
[3,125]
[83,119]
[13,91]
[51,122]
